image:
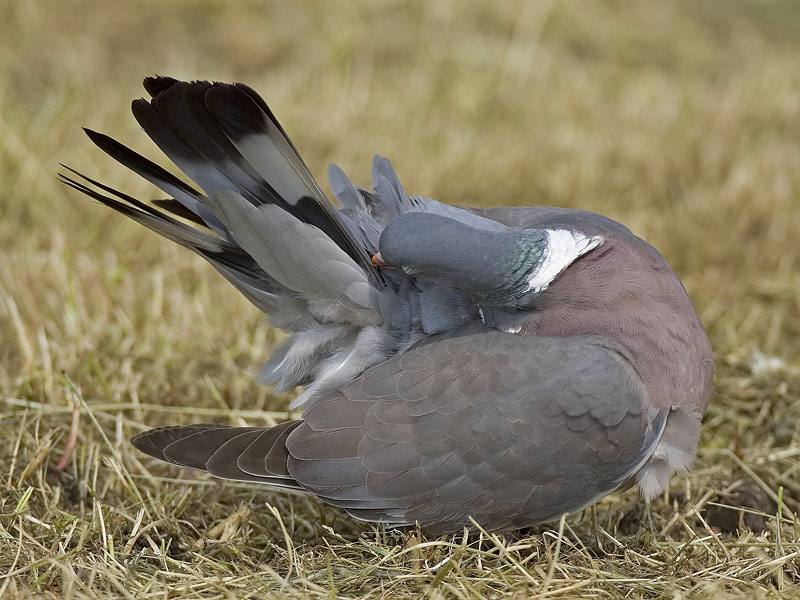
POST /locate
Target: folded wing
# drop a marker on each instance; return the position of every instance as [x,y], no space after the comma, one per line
[509,430]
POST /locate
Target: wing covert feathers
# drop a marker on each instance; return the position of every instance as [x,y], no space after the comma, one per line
[463,425]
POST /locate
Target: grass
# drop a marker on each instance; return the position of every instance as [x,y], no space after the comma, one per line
[677,118]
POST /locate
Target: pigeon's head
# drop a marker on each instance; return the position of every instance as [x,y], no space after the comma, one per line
[496,267]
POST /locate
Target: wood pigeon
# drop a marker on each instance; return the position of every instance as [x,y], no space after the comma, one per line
[507,365]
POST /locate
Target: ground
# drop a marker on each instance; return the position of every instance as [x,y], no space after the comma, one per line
[678,118]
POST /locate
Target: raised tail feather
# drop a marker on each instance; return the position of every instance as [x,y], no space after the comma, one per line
[261,220]
[230,128]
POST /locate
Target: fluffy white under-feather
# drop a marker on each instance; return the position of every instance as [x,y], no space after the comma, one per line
[674,453]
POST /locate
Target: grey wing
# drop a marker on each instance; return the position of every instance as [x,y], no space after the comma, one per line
[508,429]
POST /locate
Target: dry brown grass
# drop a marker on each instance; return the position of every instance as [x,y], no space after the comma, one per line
[678,118]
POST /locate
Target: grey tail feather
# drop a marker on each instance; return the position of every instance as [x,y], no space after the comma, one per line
[389,191]
[228,258]
[185,194]
[179,210]
[199,241]
[205,129]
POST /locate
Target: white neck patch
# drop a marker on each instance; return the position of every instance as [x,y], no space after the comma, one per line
[563,248]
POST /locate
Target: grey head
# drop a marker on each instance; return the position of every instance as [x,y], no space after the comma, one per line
[506,268]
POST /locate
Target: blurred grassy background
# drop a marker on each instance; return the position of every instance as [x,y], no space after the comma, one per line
[676,118]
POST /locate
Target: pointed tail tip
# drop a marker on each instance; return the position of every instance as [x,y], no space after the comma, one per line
[98,138]
[138,440]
